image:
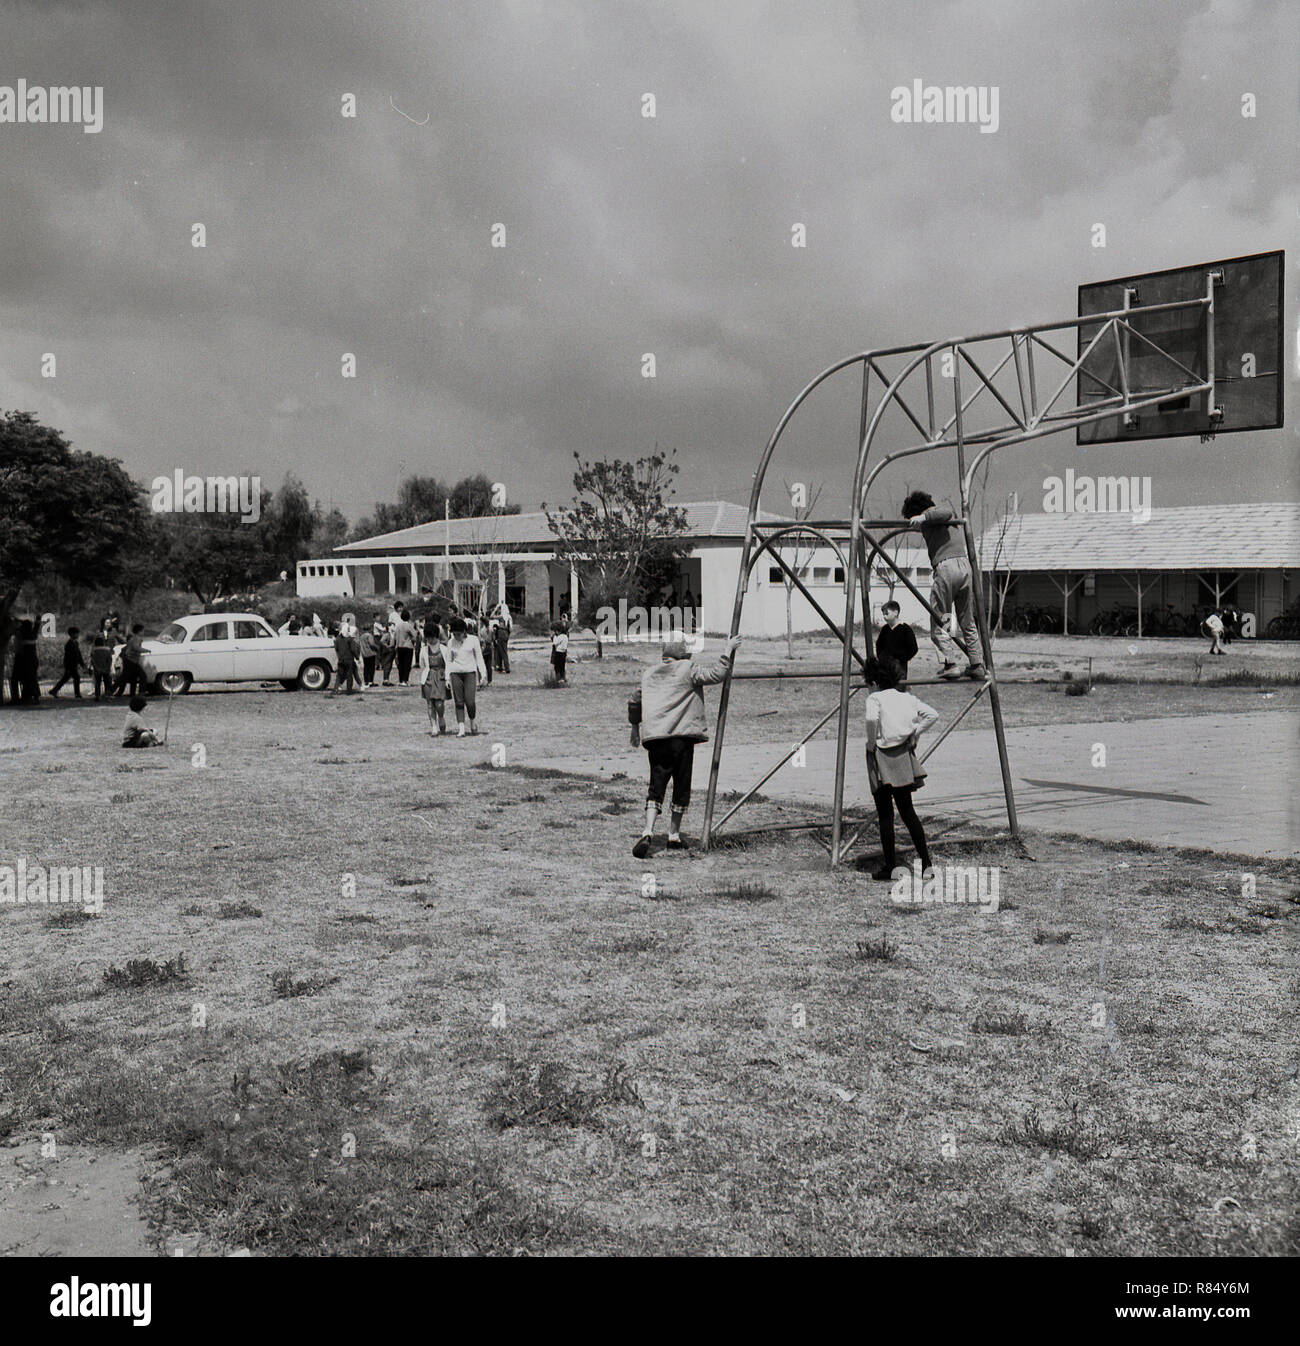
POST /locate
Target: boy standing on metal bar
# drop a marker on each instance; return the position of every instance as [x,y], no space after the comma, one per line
[950,585]
[667,715]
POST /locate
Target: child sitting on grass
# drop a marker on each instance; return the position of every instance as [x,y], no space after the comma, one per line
[667,714]
[895,721]
[135,733]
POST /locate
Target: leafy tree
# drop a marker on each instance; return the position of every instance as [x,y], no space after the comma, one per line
[472,498]
[622,533]
[288,524]
[421,499]
[217,554]
[144,558]
[74,515]
[328,531]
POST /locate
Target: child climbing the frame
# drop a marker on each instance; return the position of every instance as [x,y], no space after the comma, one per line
[667,715]
[895,722]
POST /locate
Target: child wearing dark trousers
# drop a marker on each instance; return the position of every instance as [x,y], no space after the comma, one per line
[895,722]
[559,652]
[73,663]
[101,667]
[667,715]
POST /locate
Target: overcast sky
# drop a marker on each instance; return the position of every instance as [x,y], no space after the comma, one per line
[624,234]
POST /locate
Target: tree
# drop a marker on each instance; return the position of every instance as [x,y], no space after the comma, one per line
[289,524]
[621,533]
[216,554]
[422,499]
[997,567]
[74,515]
[328,531]
[1008,524]
[144,559]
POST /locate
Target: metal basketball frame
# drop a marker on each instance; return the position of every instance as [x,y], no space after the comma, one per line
[1017,419]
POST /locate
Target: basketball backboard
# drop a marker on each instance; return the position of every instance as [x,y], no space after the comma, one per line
[1247,343]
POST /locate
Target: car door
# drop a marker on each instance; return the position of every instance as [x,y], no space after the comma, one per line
[258,656]
[212,651]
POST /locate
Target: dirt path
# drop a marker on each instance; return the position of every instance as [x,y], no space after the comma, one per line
[80,1203]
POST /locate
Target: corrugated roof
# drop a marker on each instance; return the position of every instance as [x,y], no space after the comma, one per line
[1190,537]
[704,519]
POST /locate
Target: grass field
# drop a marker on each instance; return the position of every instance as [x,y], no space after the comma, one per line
[355,990]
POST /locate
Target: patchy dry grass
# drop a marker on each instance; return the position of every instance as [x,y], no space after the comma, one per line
[500,1013]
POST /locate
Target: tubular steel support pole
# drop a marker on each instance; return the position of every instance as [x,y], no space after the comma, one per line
[724,697]
[851,586]
[981,619]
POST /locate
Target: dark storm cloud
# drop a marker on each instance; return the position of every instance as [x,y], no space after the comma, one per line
[624,234]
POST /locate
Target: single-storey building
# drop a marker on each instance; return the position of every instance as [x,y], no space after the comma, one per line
[1178,564]
[511,558]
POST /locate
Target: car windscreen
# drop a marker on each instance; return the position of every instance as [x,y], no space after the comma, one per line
[171,635]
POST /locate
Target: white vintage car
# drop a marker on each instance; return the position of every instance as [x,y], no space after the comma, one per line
[236,647]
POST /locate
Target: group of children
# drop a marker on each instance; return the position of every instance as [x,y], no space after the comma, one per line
[667,716]
[369,654]
[449,664]
[107,649]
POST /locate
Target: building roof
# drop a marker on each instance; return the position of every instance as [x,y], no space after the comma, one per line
[1190,537]
[704,519]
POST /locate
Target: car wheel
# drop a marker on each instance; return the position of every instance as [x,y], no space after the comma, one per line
[314,677]
[172,684]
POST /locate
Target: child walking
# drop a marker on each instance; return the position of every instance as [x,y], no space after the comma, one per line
[559,653]
[1213,627]
[667,715]
[73,663]
[348,649]
[433,677]
[895,721]
[463,661]
[135,733]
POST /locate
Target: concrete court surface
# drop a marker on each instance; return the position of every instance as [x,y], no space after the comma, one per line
[1224,782]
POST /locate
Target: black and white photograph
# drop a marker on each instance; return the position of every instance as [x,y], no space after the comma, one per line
[634,629]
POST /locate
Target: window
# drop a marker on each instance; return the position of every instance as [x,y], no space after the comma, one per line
[775,575]
[839,574]
[212,631]
[821,574]
[251,631]
[172,635]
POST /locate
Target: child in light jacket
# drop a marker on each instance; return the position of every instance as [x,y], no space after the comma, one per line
[895,722]
[667,714]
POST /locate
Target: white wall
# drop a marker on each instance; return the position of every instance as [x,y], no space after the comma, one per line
[764,612]
[335,584]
